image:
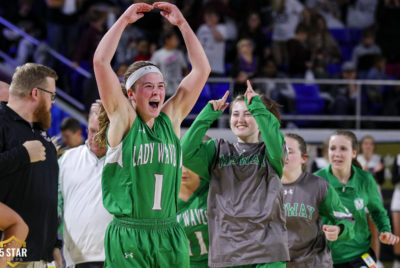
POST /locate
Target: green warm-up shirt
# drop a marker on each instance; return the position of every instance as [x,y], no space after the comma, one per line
[360,196]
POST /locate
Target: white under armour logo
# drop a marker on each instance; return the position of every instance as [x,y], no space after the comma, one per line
[128,255]
[290,191]
[142,130]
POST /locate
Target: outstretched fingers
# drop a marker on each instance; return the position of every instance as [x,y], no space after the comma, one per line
[250,93]
[143,7]
[221,103]
[136,11]
[170,12]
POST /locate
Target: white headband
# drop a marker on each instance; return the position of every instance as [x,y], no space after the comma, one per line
[136,75]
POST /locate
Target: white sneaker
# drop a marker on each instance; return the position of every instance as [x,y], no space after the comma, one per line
[379,264]
[396,264]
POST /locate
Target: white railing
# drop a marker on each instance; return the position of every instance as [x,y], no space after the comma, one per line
[51,51]
[357,117]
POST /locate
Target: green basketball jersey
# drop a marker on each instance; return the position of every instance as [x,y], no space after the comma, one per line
[192,215]
[142,175]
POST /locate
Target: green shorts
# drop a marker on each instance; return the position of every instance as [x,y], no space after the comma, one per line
[280,264]
[146,243]
[199,264]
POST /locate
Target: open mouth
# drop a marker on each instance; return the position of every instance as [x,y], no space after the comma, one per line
[154,104]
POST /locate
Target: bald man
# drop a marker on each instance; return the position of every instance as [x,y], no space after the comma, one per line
[4,88]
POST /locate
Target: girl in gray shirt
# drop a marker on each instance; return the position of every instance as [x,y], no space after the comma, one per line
[307,197]
[245,203]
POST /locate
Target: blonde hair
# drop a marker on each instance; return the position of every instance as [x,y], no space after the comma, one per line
[104,121]
[100,138]
[29,76]
[270,104]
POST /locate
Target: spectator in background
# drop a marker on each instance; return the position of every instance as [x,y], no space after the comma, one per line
[71,133]
[245,66]
[370,161]
[252,29]
[28,159]
[84,52]
[80,198]
[228,17]
[4,89]
[62,26]
[30,22]
[143,50]
[322,160]
[323,46]
[286,16]
[364,53]
[330,10]
[344,96]
[90,38]
[361,13]
[212,35]
[15,229]
[282,93]
[374,93]
[388,31]
[127,48]
[171,61]
[395,207]
[299,55]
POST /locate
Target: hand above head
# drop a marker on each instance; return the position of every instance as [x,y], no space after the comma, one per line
[250,93]
[36,150]
[135,12]
[389,238]
[170,12]
[220,105]
[331,232]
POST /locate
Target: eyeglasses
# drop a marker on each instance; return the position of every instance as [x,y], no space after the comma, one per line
[53,94]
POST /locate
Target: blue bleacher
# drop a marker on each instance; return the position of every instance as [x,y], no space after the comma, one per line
[308,102]
[347,39]
[347,52]
[204,98]
[333,69]
[342,36]
[218,90]
[57,116]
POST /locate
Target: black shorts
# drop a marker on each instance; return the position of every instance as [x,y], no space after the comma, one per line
[356,263]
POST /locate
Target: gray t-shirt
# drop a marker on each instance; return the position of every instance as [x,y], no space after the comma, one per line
[308,246]
[245,207]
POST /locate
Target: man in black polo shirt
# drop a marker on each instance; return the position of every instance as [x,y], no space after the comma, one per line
[28,159]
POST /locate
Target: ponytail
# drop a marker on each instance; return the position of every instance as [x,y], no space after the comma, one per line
[100,138]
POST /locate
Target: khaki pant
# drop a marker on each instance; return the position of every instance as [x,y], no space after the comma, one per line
[33,264]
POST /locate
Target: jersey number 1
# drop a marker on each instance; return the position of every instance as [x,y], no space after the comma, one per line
[157,191]
[203,247]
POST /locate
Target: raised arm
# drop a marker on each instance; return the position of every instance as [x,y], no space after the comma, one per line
[115,103]
[269,128]
[198,155]
[179,106]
